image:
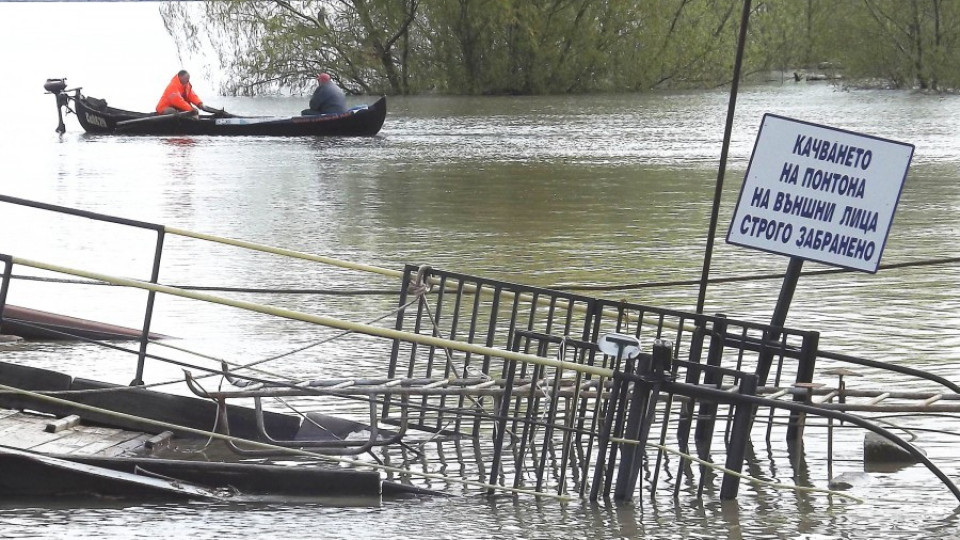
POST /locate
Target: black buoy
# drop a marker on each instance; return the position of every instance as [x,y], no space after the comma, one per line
[56,87]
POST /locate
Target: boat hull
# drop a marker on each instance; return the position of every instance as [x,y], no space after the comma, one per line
[96,117]
[35,324]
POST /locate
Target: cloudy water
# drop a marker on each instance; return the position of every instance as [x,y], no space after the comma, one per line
[547,191]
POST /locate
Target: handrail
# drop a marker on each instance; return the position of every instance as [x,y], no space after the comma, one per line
[840,357]
[164,230]
[340,324]
[890,367]
[348,265]
[154,271]
[285,252]
[81,213]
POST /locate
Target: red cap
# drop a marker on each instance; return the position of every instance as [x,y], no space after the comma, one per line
[323,78]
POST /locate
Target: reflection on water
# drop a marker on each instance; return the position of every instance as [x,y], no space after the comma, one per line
[497,518]
[609,190]
[179,142]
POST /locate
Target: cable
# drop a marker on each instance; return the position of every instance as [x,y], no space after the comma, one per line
[628,286]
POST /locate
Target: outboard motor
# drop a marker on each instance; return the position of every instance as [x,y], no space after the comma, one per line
[56,87]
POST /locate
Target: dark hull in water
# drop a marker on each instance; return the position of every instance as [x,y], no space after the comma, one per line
[35,324]
[30,474]
[96,117]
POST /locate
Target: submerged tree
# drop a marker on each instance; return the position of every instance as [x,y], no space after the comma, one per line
[909,43]
[561,46]
[263,46]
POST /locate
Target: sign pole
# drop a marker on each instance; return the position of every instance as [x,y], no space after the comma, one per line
[790,280]
[786,292]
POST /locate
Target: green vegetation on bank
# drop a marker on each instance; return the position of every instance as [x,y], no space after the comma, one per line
[565,46]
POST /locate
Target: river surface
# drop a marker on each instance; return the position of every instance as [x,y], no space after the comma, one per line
[547,191]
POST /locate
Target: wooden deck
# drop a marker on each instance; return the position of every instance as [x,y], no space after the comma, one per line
[50,435]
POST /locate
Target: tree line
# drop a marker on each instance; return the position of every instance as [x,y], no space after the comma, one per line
[565,46]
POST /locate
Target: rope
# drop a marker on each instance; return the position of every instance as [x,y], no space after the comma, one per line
[332,292]
[317,319]
[218,372]
[756,277]
[622,287]
[285,252]
[321,342]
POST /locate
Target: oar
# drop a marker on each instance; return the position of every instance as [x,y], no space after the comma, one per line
[147,119]
[219,113]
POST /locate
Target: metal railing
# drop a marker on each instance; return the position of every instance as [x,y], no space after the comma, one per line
[544,406]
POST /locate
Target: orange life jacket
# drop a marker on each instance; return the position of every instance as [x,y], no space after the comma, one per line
[178,96]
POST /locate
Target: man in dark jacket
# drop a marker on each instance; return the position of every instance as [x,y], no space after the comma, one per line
[328,98]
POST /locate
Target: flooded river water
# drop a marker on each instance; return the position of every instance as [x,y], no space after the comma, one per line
[547,191]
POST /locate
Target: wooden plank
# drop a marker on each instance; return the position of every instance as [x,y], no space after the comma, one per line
[21,421]
[127,447]
[932,399]
[119,437]
[879,398]
[159,440]
[102,430]
[68,443]
[64,423]
[80,439]
[27,435]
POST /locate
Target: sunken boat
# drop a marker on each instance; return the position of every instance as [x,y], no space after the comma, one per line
[65,436]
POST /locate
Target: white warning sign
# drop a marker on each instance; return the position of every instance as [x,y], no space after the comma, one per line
[820,193]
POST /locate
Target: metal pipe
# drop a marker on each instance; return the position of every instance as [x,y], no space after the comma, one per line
[148,314]
[5,282]
[726,397]
[725,148]
[317,319]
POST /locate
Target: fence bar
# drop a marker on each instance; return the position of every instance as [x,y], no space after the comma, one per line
[739,438]
[500,427]
[808,360]
[5,283]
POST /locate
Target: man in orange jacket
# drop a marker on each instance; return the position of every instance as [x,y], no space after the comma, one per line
[179,96]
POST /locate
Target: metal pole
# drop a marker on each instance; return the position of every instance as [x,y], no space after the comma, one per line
[148,315]
[739,437]
[779,317]
[786,292]
[731,107]
[5,282]
[500,428]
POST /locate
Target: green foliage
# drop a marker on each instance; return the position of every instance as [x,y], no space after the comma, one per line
[563,46]
[906,43]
